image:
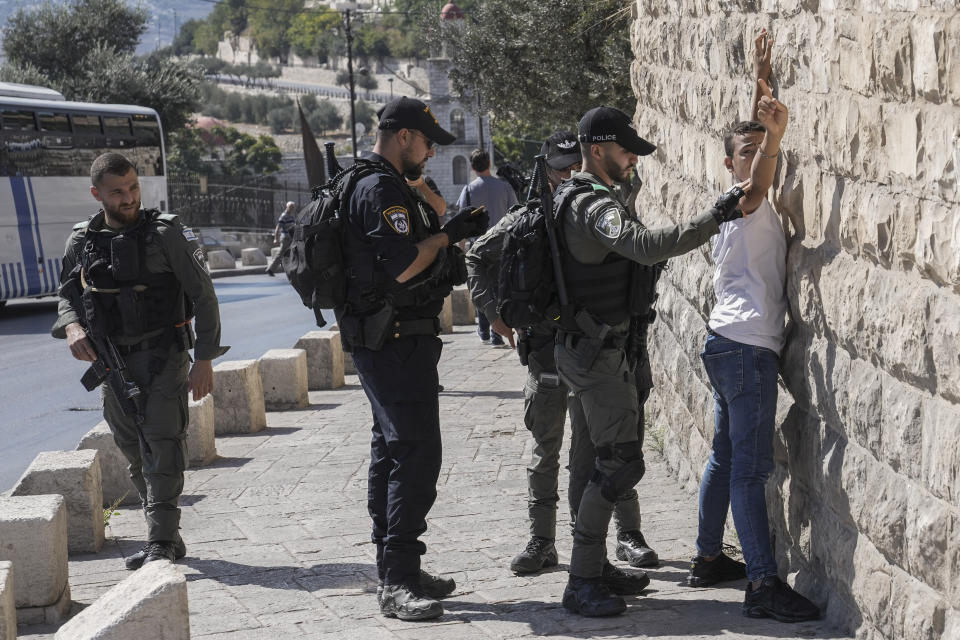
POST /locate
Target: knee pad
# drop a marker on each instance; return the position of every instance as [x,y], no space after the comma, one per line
[627,474]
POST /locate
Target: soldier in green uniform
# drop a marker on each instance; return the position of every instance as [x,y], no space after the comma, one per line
[607,255]
[135,276]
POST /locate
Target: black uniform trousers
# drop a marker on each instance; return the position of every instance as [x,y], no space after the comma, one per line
[401,383]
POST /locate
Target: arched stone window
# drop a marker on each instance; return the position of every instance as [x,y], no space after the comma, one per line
[457,126]
[460,172]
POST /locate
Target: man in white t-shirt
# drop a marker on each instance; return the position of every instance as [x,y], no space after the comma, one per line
[746,334]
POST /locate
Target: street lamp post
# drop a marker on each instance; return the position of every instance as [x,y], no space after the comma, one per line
[353,93]
[390,80]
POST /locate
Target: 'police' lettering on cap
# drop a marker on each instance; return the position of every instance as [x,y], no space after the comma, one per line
[409,113]
[608,124]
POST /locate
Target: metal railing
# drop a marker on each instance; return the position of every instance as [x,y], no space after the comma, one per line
[233,201]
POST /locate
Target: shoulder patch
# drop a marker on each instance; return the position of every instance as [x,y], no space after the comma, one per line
[189,234]
[399,219]
[198,256]
[610,223]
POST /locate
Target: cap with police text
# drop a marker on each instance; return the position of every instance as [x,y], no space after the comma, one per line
[561,149]
[409,113]
[607,124]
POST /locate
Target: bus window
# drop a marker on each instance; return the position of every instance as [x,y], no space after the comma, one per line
[53,121]
[116,126]
[17,120]
[146,130]
[86,124]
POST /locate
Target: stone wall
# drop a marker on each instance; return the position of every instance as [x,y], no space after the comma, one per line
[865,498]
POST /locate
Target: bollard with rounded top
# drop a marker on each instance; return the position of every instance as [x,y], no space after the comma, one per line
[324,359]
[463,310]
[220,259]
[252,257]
[8,610]
[238,397]
[115,482]
[283,373]
[446,316]
[201,443]
[75,475]
[33,536]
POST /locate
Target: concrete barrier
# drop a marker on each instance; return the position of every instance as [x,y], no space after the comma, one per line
[115,482]
[8,610]
[220,259]
[201,443]
[149,605]
[349,368]
[324,359]
[283,374]
[238,397]
[446,316]
[463,310]
[274,253]
[252,257]
[33,536]
[75,475]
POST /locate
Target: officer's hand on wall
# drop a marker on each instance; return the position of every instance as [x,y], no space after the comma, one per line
[469,221]
[725,208]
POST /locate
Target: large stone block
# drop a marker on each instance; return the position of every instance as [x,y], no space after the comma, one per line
[8,611]
[201,443]
[324,359]
[446,316]
[252,257]
[463,309]
[115,482]
[238,397]
[283,373]
[75,475]
[33,536]
[220,259]
[151,603]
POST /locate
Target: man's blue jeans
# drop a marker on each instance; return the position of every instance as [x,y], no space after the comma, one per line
[744,380]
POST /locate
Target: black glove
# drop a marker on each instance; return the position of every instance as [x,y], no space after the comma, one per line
[469,222]
[725,208]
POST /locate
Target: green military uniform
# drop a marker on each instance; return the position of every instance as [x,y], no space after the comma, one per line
[155,360]
[603,245]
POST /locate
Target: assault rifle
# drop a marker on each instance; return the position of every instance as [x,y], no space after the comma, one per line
[333,167]
[540,183]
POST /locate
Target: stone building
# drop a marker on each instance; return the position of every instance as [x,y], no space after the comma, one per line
[865,498]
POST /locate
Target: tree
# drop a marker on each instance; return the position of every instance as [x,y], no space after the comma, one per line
[280,119]
[365,114]
[183,42]
[313,33]
[222,151]
[324,117]
[270,23]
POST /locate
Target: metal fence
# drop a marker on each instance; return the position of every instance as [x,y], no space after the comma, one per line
[252,202]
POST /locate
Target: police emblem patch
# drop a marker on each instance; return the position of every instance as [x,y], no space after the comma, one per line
[610,223]
[399,219]
[198,256]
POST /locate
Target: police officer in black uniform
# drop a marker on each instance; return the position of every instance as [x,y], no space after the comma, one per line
[400,265]
[606,259]
[135,277]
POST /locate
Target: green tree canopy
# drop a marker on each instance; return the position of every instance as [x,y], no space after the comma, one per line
[313,33]
[270,24]
[223,151]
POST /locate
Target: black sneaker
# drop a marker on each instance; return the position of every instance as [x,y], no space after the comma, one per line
[400,601]
[622,583]
[160,551]
[775,599]
[539,554]
[135,561]
[433,586]
[496,340]
[723,568]
[632,548]
[591,597]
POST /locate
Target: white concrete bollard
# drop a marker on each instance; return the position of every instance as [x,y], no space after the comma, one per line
[75,475]
[274,253]
[115,482]
[238,397]
[463,310]
[446,316]
[349,369]
[8,610]
[220,259]
[252,257]
[324,359]
[150,604]
[201,443]
[33,536]
[283,374]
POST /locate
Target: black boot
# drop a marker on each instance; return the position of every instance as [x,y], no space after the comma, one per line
[591,597]
[400,601]
[632,548]
[704,573]
[160,551]
[775,599]
[433,586]
[539,554]
[135,561]
[622,583]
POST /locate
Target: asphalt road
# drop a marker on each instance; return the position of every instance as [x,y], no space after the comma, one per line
[43,406]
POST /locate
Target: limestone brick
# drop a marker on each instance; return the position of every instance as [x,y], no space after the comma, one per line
[34,534]
[252,256]
[8,612]
[115,482]
[238,397]
[325,359]
[201,430]
[284,376]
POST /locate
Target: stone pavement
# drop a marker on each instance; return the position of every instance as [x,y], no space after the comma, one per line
[278,535]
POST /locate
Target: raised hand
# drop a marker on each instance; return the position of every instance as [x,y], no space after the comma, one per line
[762,52]
[771,113]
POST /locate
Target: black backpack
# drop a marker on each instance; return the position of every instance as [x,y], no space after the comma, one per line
[313,261]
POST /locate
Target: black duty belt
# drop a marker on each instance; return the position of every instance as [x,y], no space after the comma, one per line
[143,345]
[570,340]
[421,327]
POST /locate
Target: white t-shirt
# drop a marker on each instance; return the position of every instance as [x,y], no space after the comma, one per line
[751,258]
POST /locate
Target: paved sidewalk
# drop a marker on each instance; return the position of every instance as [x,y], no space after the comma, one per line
[278,535]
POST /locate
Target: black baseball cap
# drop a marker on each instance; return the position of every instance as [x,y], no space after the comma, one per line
[607,124]
[409,113]
[561,149]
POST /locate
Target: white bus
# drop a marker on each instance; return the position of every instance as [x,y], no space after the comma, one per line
[46,148]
